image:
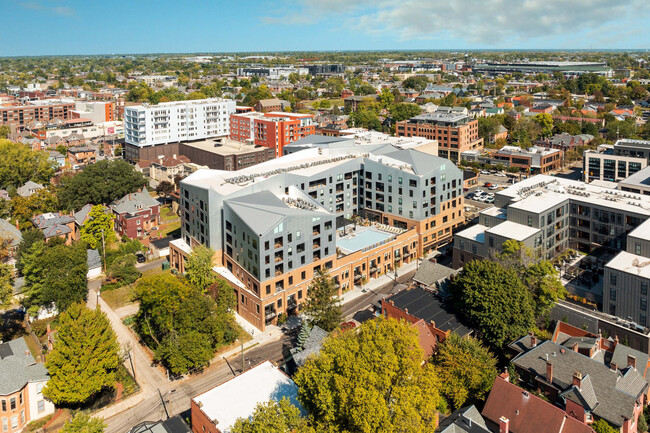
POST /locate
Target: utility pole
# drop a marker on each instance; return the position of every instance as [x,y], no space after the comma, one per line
[104,250]
[163,402]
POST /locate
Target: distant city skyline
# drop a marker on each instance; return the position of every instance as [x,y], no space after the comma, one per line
[68,27]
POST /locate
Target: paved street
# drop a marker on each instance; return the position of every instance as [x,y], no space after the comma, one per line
[177,394]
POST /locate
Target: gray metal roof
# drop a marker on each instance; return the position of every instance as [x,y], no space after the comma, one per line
[18,367]
[421,162]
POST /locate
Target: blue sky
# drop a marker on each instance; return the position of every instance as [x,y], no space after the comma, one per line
[49,27]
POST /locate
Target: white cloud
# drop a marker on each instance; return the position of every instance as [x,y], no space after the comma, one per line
[48,8]
[484,22]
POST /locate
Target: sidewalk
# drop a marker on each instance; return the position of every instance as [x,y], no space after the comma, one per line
[376,283]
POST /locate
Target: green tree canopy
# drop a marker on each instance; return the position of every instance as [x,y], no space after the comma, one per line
[404,111]
[100,183]
[602,426]
[545,122]
[418,83]
[494,300]
[466,369]
[182,325]
[85,356]
[100,223]
[372,380]
[25,208]
[55,273]
[30,236]
[83,423]
[272,416]
[199,266]
[19,163]
[321,307]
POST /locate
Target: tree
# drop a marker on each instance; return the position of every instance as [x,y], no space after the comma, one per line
[199,266]
[99,224]
[4,132]
[19,163]
[418,83]
[100,183]
[84,423]
[322,308]
[386,98]
[376,371]
[272,416]
[404,111]
[30,236]
[55,273]
[165,188]
[25,208]
[466,369]
[123,270]
[182,326]
[602,426]
[6,286]
[85,356]
[494,301]
[545,122]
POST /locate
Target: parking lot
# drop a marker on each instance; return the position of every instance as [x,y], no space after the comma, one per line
[488,183]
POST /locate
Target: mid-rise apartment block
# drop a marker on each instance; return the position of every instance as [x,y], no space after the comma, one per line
[456,133]
[168,122]
[273,130]
[275,224]
[567,213]
[95,111]
[44,111]
[617,162]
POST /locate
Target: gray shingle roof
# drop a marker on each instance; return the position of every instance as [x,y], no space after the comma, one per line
[9,231]
[17,367]
[29,188]
[615,393]
[312,346]
[93,259]
[464,420]
[130,202]
[430,273]
[81,215]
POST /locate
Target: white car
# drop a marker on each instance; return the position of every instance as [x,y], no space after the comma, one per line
[489,200]
[493,187]
[501,174]
[485,172]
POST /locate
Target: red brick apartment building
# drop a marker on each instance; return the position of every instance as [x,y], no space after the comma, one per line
[456,133]
[136,214]
[22,115]
[273,130]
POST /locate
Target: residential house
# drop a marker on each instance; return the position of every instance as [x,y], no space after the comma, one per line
[80,217]
[427,312]
[74,140]
[433,276]
[166,168]
[352,102]
[510,409]
[81,155]
[217,410]
[464,420]
[13,237]
[4,194]
[267,105]
[29,189]
[136,214]
[56,226]
[21,384]
[501,134]
[58,158]
[572,372]
[565,141]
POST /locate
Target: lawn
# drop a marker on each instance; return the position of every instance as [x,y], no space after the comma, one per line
[167,214]
[170,229]
[118,298]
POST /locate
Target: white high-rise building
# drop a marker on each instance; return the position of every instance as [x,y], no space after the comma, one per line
[169,122]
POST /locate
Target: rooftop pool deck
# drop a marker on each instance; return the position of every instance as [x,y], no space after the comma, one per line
[363,238]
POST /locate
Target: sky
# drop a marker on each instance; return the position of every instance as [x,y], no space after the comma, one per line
[60,27]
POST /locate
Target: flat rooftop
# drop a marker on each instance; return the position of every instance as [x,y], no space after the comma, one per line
[540,202]
[363,238]
[475,233]
[642,231]
[239,397]
[512,230]
[631,264]
[543,188]
[497,212]
[641,178]
[223,146]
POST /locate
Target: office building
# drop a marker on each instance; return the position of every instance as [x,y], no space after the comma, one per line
[617,162]
[275,224]
[456,133]
[272,130]
[158,80]
[279,72]
[638,183]
[334,69]
[536,160]
[549,215]
[168,122]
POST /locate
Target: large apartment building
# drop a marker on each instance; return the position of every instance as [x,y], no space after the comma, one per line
[617,162]
[168,122]
[43,111]
[456,133]
[275,224]
[552,214]
[273,130]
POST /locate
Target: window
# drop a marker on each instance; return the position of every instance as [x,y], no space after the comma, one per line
[20,398]
[4,405]
[637,249]
[612,294]
[612,279]
[14,422]
[280,303]
[530,221]
[299,294]
[644,289]
[644,304]
[12,404]
[5,424]
[22,417]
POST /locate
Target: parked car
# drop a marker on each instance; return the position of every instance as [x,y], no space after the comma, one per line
[485,172]
[493,187]
[487,184]
[489,200]
[140,258]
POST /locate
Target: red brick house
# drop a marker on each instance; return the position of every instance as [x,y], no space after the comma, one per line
[510,409]
[81,155]
[136,214]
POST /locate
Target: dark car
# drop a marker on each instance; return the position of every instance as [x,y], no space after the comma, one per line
[140,258]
